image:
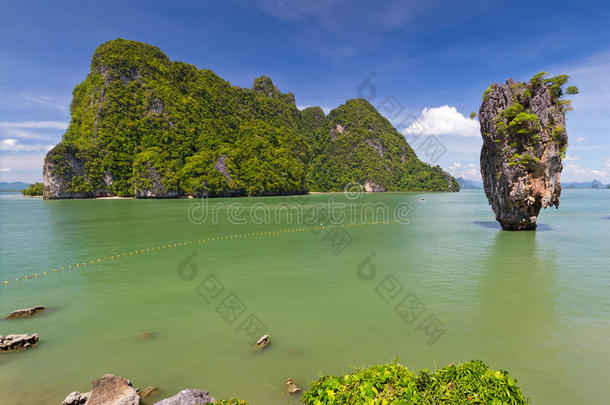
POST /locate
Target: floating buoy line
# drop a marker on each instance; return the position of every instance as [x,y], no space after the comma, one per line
[193,242]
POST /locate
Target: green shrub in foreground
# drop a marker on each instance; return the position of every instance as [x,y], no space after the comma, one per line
[394,384]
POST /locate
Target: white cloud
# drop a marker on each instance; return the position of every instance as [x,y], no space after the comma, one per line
[8,143]
[468,171]
[337,15]
[444,120]
[12,145]
[569,158]
[25,161]
[577,172]
[591,77]
[46,101]
[22,134]
[23,129]
[580,139]
[24,166]
[34,124]
[591,147]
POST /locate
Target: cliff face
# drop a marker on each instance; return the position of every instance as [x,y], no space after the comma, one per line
[524,140]
[64,173]
[145,126]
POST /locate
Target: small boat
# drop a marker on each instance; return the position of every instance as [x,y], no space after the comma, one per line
[421,200]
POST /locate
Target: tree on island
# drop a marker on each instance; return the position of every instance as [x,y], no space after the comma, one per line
[33,190]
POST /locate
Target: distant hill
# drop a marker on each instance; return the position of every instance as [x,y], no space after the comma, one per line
[14,186]
[585,184]
[466,184]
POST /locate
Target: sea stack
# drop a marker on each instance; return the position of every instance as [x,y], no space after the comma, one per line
[524,142]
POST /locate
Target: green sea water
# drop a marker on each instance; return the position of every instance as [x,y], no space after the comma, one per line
[331,296]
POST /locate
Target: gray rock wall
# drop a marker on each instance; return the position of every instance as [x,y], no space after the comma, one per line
[524,138]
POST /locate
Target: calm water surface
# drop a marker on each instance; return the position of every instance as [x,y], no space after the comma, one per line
[534,303]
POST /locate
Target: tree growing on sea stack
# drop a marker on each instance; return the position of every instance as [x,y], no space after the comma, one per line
[524,142]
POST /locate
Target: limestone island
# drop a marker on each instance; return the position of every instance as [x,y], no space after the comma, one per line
[145,126]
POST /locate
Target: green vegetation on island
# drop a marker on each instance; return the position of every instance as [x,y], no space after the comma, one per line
[35,189]
[518,123]
[145,126]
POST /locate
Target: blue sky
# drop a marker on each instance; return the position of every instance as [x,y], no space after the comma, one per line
[431,59]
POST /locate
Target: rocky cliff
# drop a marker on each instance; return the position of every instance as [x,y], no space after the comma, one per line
[524,141]
[145,126]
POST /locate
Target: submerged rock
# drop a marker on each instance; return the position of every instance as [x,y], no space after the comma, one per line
[76,398]
[148,391]
[10,343]
[146,336]
[292,386]
[113,390]
[524,141]
[188,397]
[262,342]
[24,313]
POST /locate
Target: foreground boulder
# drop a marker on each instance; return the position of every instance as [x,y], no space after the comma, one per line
[188,397]
[24,313]
[112,390]
[10,343]
[524,141]
[76,398]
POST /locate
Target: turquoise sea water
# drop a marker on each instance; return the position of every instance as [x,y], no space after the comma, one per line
[440,283]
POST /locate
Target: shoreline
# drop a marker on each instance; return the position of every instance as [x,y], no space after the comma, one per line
[185,197]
